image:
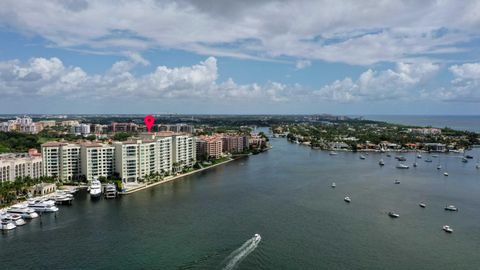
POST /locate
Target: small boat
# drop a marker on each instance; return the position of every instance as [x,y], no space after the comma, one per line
[447,229]
[435,156]
[397,182]
[419,156]
[334,185]
[464,160]
[402,166]
[469,156]
[7,224]
[439,167]
[381,163]
[428,160]
[333,153]
[393,214]
[445,173]
[451,208]
[362,157]
[347,199]
[422,205]
[388,155]
[401,158]
[62,197]
[477,166]
[415,164]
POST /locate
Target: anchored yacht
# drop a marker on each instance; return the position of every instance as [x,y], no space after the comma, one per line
[393,214]
[24,211]
[95,189]
[7,224]
[447,229]
[347,199]
[43,206]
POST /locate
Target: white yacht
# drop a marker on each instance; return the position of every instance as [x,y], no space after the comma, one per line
[334,185]
[95,189]
[24,211]
[62,197]
[402,166]
[110,191]
[447,229]
[7,224]
[347,199]
[43,206]
[16,219]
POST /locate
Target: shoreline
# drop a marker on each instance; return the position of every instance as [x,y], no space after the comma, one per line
[172,178]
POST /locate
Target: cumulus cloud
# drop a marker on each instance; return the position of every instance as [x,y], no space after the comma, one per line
[354,32]
[50,77]
[399,83]
[465,86]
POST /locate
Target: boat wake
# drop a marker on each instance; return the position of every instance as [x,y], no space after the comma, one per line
[242,252]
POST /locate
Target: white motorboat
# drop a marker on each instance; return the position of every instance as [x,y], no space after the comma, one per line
[439,167]
[428,160]
[24,211]
[95,189]
[332,153]
[422,205]
[415,164]
[393,214]
[347,199]
[362,157]
[447,228]
[41,206]
[397,182]
[7,224]
[464,160]
[451,208]
[402,166]
[334,185]
[16,219]
[381,162]
[419,156]
[110,191]
[445,173]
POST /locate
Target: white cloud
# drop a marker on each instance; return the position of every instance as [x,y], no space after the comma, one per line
[465,86]
[389,84]
[49,77]
[355,32]
[301,64]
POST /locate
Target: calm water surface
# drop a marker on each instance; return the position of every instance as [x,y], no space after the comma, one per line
[284,195]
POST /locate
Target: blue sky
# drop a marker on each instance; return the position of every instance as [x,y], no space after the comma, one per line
[144,56]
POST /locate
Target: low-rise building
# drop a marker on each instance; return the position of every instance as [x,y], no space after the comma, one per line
[20,165]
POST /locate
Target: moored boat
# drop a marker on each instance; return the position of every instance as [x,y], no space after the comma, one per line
[24,211]
[393,214]
[447,228]
[95,189]
[7,224]
[451,208]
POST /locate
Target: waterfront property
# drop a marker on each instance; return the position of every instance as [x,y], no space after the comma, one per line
[14,166]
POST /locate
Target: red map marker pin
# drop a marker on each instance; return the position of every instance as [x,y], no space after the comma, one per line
[149,120]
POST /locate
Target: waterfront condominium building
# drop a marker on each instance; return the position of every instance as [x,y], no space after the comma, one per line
[19,165]
[234,143]
[61,160]
[209,146]
[184,150]
[97,160]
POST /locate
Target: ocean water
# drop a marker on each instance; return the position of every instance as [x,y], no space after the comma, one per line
[208,220]
[460,122]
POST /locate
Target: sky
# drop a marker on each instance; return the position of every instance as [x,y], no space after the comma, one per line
[240,57]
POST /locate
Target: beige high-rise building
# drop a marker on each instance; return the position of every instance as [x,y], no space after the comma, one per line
[97,160]
[61,160]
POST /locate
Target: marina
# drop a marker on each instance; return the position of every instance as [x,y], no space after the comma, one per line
[236,200]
